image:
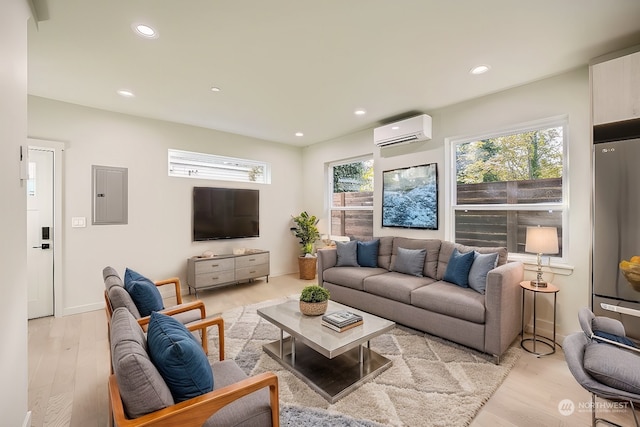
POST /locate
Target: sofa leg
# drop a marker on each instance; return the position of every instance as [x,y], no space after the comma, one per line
[496,359]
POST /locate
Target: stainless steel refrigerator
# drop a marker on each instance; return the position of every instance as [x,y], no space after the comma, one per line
[616,230]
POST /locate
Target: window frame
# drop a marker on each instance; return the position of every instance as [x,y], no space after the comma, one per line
[451,205]
[173,158]
[330,183]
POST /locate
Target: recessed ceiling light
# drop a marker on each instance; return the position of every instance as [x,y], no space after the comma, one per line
[360,112]
[395,127]
[479,69]
[215,89]
[125,93]
[299,134]
[145,31]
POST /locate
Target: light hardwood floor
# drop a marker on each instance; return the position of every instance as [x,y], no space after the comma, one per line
[69,366]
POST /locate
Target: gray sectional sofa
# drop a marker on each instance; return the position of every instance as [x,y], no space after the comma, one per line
[392,285]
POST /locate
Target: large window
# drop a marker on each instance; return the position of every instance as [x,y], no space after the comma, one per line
[351,192]
[505,182]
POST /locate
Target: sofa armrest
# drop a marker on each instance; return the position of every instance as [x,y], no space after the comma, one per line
[503,307]
[327,258]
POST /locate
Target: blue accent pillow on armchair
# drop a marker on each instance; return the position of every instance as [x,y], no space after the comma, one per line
[144,292]
[458,268]
[179,358]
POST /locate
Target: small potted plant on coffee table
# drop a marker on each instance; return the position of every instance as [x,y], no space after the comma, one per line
[314,300]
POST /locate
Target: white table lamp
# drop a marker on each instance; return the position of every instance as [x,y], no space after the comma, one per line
[541,240]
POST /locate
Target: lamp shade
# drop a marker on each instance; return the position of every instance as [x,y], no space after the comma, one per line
[542,240]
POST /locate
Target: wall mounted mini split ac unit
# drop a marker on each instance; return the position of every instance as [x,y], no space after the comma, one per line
[414,129]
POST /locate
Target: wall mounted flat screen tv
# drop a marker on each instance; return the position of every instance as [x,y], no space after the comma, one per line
[225,213]
[410,197]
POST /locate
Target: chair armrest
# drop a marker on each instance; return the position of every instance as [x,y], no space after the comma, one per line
[187,306]
[194,412]
[176,282]
[202,325]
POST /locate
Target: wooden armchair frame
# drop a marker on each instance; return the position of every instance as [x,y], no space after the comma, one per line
[170,311]
[194,412]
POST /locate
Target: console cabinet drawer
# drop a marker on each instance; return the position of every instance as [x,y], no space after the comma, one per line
[251,260]
[214,278]
[246,273]
[214,265]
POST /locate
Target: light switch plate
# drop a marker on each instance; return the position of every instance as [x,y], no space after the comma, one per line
[78,222]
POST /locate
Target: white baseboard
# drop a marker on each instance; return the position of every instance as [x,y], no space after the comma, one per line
[83,308]
[27,420]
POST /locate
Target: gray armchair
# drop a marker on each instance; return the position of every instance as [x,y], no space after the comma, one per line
[604,362]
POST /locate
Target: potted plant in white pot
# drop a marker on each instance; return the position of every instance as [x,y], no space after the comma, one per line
[307,231]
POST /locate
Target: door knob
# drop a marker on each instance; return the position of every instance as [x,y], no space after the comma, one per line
[43,246]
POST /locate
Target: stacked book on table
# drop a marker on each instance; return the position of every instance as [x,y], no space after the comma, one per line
[341,320]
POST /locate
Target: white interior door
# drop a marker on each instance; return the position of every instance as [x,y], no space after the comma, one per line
[40,207]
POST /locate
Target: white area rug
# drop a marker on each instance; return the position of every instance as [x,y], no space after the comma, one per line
[432,382]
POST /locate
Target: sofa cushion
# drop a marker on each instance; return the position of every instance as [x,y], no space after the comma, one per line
[613,366]
[179,357]
[385,249]
[410,261]
[350,277]
[446,249]
[431,245]
[482,264]
[395,286]
[368,253]
[144,292]
[347,254]
[451,300]
[253,409]
[458,268]
[142,388]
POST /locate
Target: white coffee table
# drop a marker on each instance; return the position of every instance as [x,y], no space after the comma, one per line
[332,363]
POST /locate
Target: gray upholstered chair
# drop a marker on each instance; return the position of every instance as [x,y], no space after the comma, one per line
[604,361]
[115,295]
[139,395]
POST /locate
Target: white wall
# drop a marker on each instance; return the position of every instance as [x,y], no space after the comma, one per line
[13,133]
[566,94]
[157,240]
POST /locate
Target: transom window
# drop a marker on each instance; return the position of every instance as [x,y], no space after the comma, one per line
[210,166]
[505,182]
[351,193]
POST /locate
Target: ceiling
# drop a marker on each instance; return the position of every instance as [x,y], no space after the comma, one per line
[287,66]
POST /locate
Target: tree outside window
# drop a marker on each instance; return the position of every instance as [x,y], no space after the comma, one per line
[506,183]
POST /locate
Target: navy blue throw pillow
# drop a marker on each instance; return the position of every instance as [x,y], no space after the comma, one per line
[458,268]
[179,358]
[368,253]
[144,293]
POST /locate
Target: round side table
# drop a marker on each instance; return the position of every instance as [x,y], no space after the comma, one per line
[549,289]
